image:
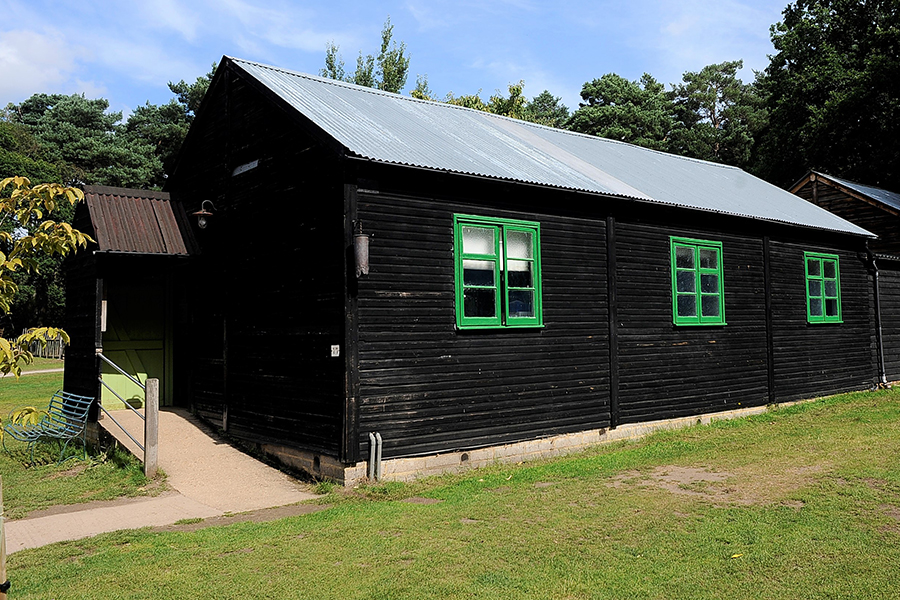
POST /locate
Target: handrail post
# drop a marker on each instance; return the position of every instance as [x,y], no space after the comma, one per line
[151,428]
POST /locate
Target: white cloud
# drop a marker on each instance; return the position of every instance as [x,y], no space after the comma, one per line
[32,61]
[170,15]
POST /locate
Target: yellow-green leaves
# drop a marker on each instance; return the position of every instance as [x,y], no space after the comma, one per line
[28,208]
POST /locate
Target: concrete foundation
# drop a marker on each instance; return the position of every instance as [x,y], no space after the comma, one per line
[408,469]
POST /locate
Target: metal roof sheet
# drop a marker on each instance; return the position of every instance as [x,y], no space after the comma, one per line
[879,195]
[390,128]
[128,220]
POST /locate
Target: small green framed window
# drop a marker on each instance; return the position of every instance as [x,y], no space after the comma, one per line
[698,296]
[823,287]
[498,272]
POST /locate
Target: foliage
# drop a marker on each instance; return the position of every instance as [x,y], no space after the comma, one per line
[386,71]
[638,112]
[422,91]
[27,415]
[30,208]
[832,94]
[547,109]
[717,115]
[86,140]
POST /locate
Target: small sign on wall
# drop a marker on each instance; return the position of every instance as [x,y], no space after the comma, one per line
[335,350]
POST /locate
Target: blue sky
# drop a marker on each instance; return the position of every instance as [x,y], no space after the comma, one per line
[128,51]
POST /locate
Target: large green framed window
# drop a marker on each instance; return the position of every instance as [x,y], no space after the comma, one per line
[498,272]
[823,287]
[698,296]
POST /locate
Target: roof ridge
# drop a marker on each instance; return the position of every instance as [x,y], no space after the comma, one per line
[446,105]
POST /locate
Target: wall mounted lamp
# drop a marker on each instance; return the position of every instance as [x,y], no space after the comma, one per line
[360,249]
[204,214]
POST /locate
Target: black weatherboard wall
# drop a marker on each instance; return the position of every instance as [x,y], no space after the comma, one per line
[264,299]
[426,386]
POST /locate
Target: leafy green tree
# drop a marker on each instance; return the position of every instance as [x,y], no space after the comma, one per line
[82,135]
[387,71]
[164,127]
[30,208]
[547,109]
[832,93]
[639,112]
[717,116]
[422,91]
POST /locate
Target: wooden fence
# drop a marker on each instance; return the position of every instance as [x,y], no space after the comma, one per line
[54,349]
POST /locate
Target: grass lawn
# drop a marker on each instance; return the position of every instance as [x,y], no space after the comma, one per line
[803,502]
[28,488]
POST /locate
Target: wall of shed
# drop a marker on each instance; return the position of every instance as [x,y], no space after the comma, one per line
[264,300]
[815,359]
[884,223]
[668,371]
[426,387]
[889,289]
[82,323]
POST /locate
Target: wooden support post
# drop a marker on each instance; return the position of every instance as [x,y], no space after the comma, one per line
[3,586]
[151,428]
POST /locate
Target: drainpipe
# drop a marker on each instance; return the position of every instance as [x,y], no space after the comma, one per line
[879,340]
[374,471]
[371,473]
[378,457]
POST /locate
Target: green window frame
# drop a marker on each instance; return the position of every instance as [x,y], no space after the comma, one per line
[698,288]
[823,287]
[497,272]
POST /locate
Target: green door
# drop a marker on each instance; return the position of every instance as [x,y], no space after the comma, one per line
[135,339]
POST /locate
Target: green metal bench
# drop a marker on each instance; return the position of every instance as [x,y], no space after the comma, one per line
[64,421]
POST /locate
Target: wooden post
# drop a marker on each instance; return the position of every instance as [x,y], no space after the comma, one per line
[3,581]
[151,428]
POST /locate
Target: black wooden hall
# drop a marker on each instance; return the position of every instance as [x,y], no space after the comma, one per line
[466,287]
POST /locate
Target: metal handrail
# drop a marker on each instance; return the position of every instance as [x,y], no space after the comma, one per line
[108,414]
[121,399]
[119,369]
[125,402]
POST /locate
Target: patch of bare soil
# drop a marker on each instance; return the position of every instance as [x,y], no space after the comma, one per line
[419,500]
[254,516]
[891,511]
[68,472]
[746,485]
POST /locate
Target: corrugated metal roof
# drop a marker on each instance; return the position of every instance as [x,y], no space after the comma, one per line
[390,128]
[879,195]
[139,221]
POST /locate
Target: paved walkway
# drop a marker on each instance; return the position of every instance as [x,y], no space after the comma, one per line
[36,372]
[210,478]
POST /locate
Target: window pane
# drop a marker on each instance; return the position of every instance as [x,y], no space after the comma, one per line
[478,272]
[479,302]
[521,303]
[831,307]
[812,265]
[709,284]
[828,267]
[686,281]
[478,240]
[519,244]
[708,259]
[831,288]
[687,306]
[709,306]
[815,287]
[815,307]
[519,275]
[684,257]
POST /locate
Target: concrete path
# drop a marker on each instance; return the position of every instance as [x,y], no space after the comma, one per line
[36,372]
[209,476]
